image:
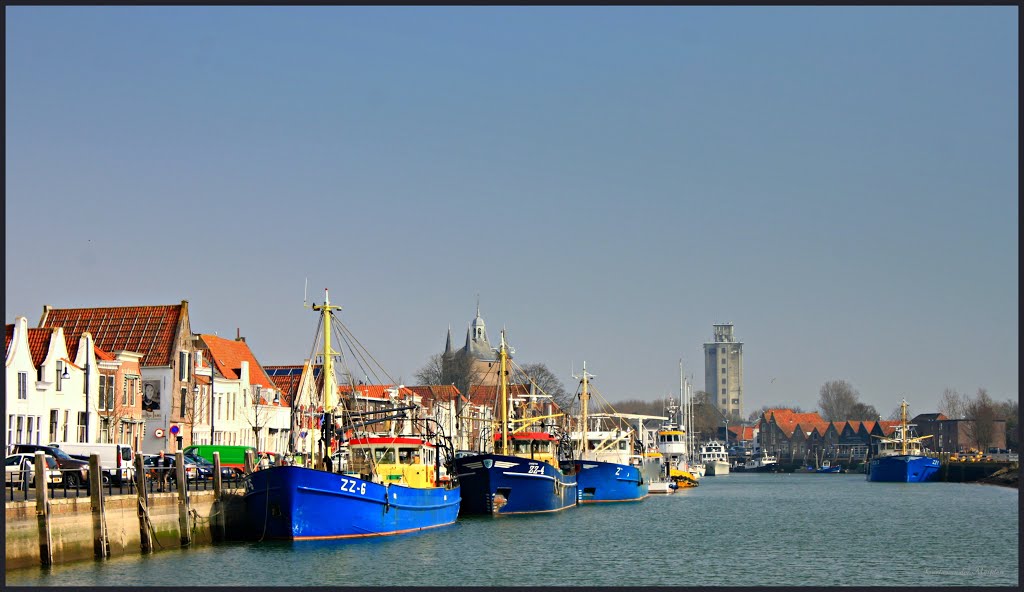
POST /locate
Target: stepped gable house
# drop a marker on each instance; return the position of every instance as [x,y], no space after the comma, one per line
[162,336]
[47,392]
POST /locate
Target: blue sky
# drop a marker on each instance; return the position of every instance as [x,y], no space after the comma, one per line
[838,182]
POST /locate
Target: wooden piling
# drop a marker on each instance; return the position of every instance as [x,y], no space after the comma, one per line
[218,524]
[43,511]
[250,461]
[100,543]
[218,483]
[145,541]
[183,530]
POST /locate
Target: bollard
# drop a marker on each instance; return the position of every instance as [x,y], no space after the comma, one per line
[145,542]
[179,467]
[43,511]
[100,544]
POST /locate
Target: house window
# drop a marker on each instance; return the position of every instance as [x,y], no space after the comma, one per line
[53,425]
[723,402]
[81,426]
[22,386]
[21,426]
[133,387]
[723,369]
[723,380]
[124,392]
[10,428]
[60,371]
[67,421]
[110,392]
[183,367]
[735,401]
[723,392]
[183,391]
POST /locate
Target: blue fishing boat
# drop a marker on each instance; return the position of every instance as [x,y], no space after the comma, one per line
[392,485]
[900,458]
[521,474]
[828,467]
[604,471]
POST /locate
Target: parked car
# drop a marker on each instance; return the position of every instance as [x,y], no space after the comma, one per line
[18,467]
[76,471]
[205,468]
[149,463]
[115,459]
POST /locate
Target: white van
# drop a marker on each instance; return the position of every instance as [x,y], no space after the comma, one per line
[115,459]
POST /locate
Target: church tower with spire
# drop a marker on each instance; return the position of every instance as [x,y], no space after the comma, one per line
[477,351]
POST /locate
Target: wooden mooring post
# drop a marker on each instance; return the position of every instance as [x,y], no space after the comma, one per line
[43,511]
[183,529]
[100,543]
[217,516]
[145,541]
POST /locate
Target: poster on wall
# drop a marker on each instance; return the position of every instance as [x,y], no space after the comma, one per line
[151,395]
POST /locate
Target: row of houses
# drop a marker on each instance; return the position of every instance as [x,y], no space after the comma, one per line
[803,437]
[138,375]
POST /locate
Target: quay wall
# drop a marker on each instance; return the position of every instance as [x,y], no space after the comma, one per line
[72,531]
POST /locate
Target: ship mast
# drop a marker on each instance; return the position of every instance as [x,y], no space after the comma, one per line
[584,400]
[903,428]
[503,358]
[330,401]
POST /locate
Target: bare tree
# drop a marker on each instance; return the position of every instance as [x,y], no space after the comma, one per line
[1009,410]
[546,382]
[432,372]
[706,416]
[836,399]
[952,404]
[862,412]
[982,414]
[260,413]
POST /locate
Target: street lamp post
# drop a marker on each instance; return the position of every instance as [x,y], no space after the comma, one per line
[213,398]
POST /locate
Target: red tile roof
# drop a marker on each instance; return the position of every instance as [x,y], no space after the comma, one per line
[888,426]
[374,391]
[487,394]
[148,330]
[436,392]
[868,426]
[104,355]
[39,344]
[787,419]
[742,432]
[228,354]
[287,383]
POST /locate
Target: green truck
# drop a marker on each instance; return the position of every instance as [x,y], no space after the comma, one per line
[230,456]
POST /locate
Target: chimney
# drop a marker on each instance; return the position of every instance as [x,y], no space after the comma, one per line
[238,335]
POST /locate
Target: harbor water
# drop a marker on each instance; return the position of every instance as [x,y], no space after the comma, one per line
[740,529]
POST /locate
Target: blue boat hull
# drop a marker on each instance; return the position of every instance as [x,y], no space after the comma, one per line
[599,481]
[903,469]
[296,503]
[497,484]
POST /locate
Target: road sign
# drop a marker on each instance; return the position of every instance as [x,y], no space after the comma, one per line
[175,429]
[159,433]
